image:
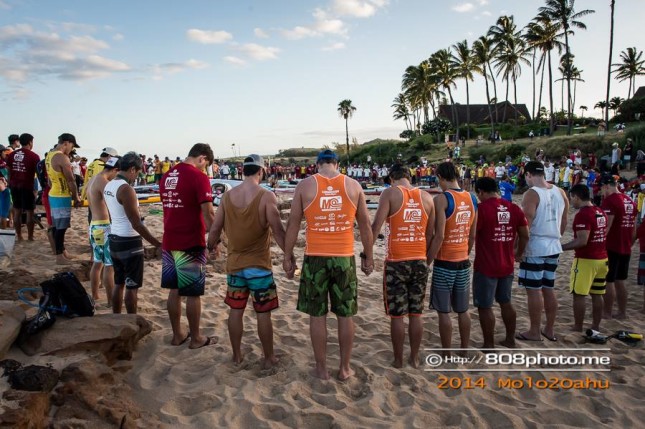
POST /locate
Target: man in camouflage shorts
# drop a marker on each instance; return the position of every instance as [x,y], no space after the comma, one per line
[409,216]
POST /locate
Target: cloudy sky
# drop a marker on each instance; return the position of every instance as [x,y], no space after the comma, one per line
[157,76]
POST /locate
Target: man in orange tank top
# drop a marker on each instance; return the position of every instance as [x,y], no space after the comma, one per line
[409,213]
[455,221]
[247,214]
[330,202]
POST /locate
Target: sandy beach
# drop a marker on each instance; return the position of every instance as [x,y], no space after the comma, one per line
[166,386]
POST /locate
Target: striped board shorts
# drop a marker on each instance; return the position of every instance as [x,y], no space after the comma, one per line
[537,272]
[61,208]
[255,282]
[450,287]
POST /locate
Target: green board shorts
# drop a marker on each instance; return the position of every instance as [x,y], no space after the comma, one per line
[333,277]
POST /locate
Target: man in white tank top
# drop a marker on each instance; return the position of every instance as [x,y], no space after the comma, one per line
[546,207]
[127,231]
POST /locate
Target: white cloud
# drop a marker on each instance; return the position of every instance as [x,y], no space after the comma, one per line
[324,24]
[357,8]
[118,37]
[464,7]
[235,61]
[208,37]
[4,5]
[334,46]
[26,53]
[259,52]
[260,33]
[159,70]
[483,2]
[486,13]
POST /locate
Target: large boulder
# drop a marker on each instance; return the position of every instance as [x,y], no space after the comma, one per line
[113,335]
[24,409]
[11,318]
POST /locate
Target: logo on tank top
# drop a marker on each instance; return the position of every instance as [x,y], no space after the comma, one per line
[331,204]
[412,215]
[463,215]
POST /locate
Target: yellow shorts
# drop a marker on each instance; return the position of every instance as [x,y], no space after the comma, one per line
[588,276]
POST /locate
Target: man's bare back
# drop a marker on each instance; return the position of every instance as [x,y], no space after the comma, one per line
[95,189]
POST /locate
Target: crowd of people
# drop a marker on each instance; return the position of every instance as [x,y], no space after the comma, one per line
[422,235]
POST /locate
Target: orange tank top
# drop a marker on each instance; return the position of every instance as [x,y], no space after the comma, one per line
[460,214]
[330,219]
[405,230]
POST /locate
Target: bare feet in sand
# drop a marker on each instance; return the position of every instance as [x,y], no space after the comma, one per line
[606,316]
[414,361]
[508,343]
[62,260]
[397,363]
[268,363]
[344,374]
[238,359]
[321,373]
[619,316]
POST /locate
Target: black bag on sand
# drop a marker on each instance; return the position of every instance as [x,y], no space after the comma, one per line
[67,296]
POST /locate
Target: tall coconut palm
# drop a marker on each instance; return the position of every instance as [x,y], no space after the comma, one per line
[484,52]
[443,67]
[512,55]
[563,13]
[543,34]
[576,76]
[614,104]
[465,64]
[402,110]
[611,48]
[417,85]
[630,67]
[346,110]
[503,33]
[602,105]
[583,109]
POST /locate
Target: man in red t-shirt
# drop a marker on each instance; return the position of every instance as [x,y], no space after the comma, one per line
[22,173]
[589,267]
[498,222]
[187,214]
[621,214]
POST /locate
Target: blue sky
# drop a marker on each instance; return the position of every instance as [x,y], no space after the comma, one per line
[157,76]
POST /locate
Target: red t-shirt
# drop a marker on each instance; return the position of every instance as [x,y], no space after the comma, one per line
[497,224]
[594,220]
[183,190]
[22,168]
[619,237]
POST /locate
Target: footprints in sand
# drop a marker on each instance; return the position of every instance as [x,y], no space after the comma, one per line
[191,405]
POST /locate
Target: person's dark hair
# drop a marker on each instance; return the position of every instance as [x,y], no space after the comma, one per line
[13,138]
[129,160]
[25,139]
[202,149]
[535,168]
[399,171]
[581,191]
[250,170]
[486,184]
[447,171]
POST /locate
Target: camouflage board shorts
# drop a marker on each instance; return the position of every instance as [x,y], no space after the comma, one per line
[333,277]
[404,287]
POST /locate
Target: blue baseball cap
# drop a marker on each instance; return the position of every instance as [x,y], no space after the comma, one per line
[325,155]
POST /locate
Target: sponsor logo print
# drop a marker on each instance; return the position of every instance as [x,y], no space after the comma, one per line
[171,182]
[331,203]
[503,217]
[412,215]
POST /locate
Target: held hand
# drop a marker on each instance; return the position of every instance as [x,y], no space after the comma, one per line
[289,266]
[367,265]
[77,202]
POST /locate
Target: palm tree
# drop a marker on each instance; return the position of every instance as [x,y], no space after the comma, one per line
[444,69]
[611,48]
[465,64]
[402,111]
[602,104]
[509,63]
[502,33]
[576,76]
[631,66]
[563,13]
[614,104]
[346,110]
[484,52]
[583,109]
[543,34]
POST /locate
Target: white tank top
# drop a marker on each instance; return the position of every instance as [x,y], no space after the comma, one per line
[120,224]
[545,229]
